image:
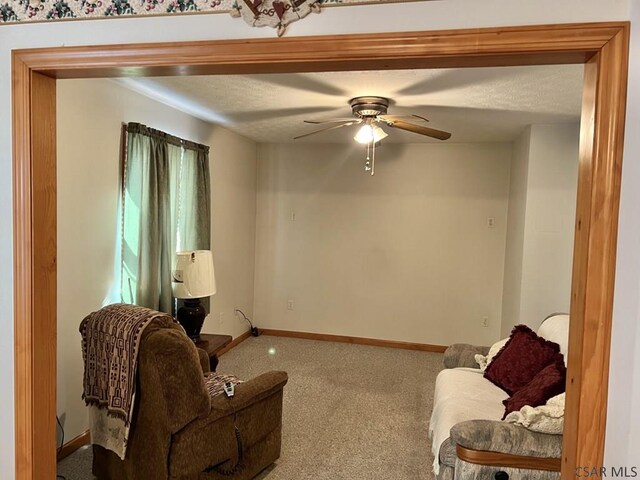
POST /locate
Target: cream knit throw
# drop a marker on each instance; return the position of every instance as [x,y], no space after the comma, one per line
[548,418]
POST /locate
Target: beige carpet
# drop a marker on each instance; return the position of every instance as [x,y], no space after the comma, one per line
[350,411]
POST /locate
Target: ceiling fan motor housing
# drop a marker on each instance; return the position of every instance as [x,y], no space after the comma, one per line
[369,106]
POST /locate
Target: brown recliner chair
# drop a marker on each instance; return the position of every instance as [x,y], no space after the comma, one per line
[179,432]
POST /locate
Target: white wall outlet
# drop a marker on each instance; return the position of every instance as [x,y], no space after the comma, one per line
[484,322]
[289,304]
[491,222]
[221,319]
[292,216]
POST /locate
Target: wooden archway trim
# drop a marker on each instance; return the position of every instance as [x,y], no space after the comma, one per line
[506,460]
[505,46]
[603,47]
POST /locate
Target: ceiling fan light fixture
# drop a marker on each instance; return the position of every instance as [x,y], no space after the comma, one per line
[364,135]
[370,133]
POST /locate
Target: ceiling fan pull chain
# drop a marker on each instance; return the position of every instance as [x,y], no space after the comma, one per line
[373,158]
[367,164]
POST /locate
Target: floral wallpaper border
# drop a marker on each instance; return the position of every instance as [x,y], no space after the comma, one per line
[18,11]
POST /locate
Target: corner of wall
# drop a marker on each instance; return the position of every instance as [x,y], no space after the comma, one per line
[541,215]
[233,183]
[256,167]
[512,285]
[263,150]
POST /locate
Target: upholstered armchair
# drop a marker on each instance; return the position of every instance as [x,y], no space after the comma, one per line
[179,432]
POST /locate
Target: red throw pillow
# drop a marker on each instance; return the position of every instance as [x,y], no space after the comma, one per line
[524,355]
[546,384]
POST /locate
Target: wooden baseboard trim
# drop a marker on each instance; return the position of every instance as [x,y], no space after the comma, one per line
[73,445]
[424,347]
[235,342]
[506,460]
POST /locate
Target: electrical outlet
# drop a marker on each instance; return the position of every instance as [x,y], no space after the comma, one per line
[491,222]
[485,322]
[289,304]
[221,319]
[292,216]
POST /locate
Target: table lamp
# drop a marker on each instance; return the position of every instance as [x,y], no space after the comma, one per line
[193,278]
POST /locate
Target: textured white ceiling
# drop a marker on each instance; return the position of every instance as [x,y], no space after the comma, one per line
[475,104]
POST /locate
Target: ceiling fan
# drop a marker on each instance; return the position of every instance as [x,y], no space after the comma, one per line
[370,112]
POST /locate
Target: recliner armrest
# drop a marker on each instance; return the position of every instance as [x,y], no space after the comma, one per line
[463,355]
[504,437]
[248,393]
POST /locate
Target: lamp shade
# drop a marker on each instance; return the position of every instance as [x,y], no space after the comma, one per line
[193,276]
[370,133]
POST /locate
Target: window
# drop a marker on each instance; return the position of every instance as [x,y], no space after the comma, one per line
[166,205]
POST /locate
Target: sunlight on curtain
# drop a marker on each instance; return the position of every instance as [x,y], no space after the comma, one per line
[194,201]
[166,208]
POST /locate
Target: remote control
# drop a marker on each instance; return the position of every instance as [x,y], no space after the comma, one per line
[229,389]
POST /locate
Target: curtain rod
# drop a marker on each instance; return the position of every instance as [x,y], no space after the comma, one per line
[134,127]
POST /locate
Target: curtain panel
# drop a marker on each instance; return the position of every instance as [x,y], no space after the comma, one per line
[166,208]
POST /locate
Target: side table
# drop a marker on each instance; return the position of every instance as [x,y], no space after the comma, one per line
[212,344]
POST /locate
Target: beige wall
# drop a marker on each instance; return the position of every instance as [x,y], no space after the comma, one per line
[623,416]
[515,233]
[405,255]
[549,231]
[545,239]
[233,229]
[90,114]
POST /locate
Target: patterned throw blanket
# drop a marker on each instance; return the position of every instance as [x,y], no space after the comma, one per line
[110,343]
[214,382]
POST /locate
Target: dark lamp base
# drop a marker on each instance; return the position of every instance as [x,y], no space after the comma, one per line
[191,316]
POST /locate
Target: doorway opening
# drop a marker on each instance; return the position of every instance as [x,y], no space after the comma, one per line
[603,48]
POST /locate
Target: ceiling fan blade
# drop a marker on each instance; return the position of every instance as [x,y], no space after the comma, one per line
[429,132]
[330,120]
[402,117]
[345,124]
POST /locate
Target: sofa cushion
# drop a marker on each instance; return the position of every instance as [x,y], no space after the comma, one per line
[462,355]
[523,356]
[461,394]
[556,329]
[546,384]
[485,361]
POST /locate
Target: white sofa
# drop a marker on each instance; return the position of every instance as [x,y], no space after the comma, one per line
[467,411]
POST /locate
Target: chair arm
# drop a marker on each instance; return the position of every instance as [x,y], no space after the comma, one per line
[462,355]
[504,437]
[247,394]
[204,360]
